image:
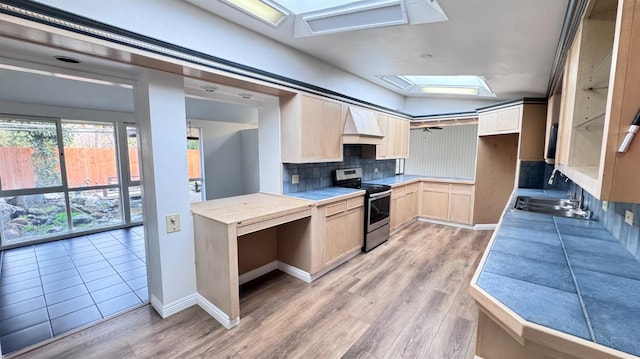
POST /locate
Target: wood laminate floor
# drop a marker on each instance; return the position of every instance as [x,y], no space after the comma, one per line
[406,299]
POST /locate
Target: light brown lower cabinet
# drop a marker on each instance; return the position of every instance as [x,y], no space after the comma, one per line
[404,205]
[343,229]
[451,202]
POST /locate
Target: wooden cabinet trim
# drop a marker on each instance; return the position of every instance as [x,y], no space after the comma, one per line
[337,208]
[355,203]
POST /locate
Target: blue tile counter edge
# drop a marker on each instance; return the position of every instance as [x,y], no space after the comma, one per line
[566,274]
[326,194]
[405,179]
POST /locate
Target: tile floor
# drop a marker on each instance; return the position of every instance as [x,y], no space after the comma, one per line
[51,288]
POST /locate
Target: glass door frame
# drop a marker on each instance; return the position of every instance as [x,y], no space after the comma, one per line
[126,182]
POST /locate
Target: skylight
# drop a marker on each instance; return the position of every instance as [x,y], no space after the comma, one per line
[319,17]
[263,10]
[462,85]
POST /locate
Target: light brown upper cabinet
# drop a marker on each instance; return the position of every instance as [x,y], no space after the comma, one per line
[311,129]
[505,120]
[395,143]
[516,133]
[600,98]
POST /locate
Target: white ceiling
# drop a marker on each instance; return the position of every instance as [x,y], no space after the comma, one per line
[36,77]
[511,43]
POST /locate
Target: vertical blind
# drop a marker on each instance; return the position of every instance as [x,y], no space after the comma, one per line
[449,152]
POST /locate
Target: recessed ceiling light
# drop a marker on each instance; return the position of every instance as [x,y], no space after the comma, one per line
[245,95]
[263,10]
[209,88]
[67,59]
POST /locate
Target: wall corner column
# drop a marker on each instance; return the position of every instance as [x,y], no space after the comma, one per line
[161,118]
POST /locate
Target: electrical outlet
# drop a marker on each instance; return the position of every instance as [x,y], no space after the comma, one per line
[628,217]
[375,169]
[295,179]
[605,205]
[173,223]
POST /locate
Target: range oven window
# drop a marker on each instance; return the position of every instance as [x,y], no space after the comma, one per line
[379,210]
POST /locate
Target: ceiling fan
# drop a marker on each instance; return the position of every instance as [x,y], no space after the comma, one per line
[429,129]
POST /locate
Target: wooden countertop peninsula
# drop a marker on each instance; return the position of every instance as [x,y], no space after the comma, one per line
[217,226]
[250,209]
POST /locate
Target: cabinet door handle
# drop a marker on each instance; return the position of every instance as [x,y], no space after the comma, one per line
[633,129]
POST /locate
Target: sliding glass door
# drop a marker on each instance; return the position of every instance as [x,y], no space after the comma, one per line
[61,177]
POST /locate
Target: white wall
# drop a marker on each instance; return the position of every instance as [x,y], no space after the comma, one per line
[450,152]
[418,106]
[69,113]
[180,23]
[161,114]
[224,156]
[250,160]
[269,147]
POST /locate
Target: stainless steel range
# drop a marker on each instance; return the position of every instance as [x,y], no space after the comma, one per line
[377,209]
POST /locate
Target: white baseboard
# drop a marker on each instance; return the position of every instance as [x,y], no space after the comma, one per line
[486,227]
[445,223]
[260,271]
[173,307]
[295,272]
[335,265]
[216,313]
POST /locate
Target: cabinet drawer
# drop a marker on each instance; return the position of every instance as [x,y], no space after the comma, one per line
[413,187]
[462,188]
[436,187]
[408,188]
[355,203]
[336,208]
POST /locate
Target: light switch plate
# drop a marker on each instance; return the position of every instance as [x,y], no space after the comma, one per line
[605,205]
[628,217]
[295,179]
[173,223]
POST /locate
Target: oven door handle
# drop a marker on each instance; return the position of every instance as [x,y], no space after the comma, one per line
[381,194]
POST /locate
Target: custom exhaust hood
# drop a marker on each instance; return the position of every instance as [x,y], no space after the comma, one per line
[361,127]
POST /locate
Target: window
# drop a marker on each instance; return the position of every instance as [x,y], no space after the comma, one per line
[64,176]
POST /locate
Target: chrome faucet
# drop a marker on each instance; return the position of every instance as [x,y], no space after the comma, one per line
[552,177]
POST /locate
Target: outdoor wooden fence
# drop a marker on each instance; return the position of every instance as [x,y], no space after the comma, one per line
[85,166]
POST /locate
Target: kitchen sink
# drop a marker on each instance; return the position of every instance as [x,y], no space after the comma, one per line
[553,206]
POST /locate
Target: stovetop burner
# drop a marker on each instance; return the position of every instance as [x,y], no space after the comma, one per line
[352,178]
[375,188]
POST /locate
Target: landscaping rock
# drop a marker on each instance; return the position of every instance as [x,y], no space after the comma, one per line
[20,221]
[97,215]
[35,211]
[34,200]
[81,219]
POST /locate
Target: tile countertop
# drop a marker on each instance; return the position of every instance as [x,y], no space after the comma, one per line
[567,274]
[402,179]
[326,193]
[335,193]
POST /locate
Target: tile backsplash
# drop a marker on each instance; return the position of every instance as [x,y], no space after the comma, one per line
[318,175]
[535,174]
[613,220]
